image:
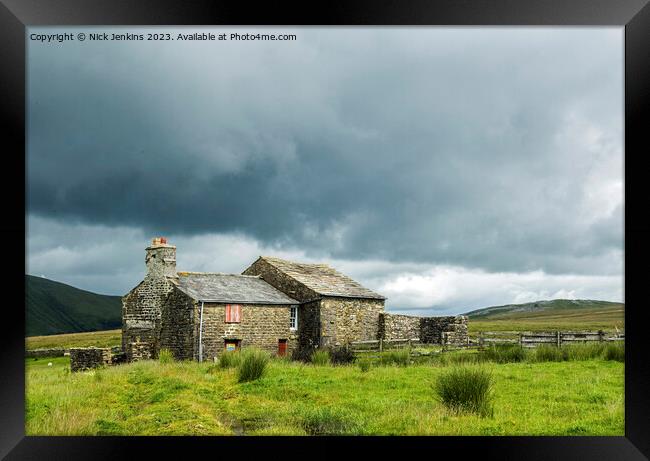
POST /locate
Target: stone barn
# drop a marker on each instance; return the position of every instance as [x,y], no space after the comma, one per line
[275,304]
[334,309]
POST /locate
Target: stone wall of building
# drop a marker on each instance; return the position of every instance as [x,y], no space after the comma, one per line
[281,281]
[432,330]
[261,326]
[177,325]
[89,357]
[344,320]
[141,312]
[136,351]
[309,324]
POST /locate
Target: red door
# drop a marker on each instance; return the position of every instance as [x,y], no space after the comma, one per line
[282,347]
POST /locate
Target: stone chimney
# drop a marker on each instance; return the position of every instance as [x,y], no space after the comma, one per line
[160,259]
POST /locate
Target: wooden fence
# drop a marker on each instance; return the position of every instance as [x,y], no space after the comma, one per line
[552,338]
[485,338]
[379,345]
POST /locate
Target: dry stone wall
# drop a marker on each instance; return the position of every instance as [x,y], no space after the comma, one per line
[38,353]
[89,358]
[433,330]
[394,326]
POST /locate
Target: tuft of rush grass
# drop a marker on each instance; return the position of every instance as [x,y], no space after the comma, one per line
[320,357]
[466,389]
[614,351]
[252,365]
[505,353]
[229,359]
[165,356]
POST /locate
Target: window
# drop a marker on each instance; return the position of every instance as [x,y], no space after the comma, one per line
[233,313]
[293,318]
[232,345]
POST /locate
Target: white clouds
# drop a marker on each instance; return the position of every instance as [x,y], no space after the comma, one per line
[111,260]
[459,289]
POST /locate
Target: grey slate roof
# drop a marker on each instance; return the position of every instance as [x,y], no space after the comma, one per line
[229,288]
[323,279]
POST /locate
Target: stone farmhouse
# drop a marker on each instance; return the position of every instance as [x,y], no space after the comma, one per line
[275,305]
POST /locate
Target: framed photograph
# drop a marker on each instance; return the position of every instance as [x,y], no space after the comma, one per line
[370,224]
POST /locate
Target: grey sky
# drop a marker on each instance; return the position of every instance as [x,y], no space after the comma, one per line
[393,152]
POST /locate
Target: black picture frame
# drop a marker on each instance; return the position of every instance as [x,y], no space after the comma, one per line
[16,15]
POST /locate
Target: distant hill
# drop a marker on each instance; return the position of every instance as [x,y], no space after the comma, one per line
[539,309]
[54,308]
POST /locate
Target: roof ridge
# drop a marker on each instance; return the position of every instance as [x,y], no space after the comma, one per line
[215,273]
[297,262]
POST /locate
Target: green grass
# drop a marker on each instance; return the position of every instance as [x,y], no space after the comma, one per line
[320,358]
[229,359]
[165,356]
[106,338]
[399,357]
[252,365]
[607,318]
[466,389]
[54,308]
[582,397]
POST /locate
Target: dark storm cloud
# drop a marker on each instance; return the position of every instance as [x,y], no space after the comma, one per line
[498,149]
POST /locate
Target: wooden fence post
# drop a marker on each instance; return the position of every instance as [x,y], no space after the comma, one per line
[381,344]
[521,339]
[558,340]
[601,335]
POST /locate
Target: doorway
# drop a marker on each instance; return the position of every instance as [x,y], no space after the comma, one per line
[282,347]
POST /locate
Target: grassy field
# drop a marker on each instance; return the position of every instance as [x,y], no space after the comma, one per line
[106,338]
[292,398]
[607,319]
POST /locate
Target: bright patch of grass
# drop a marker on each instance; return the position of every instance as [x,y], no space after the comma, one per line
[252,366]
[107,338]
[466,389]
[165,356]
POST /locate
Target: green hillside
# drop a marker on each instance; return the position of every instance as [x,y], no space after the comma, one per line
[54,308]
[557,314]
